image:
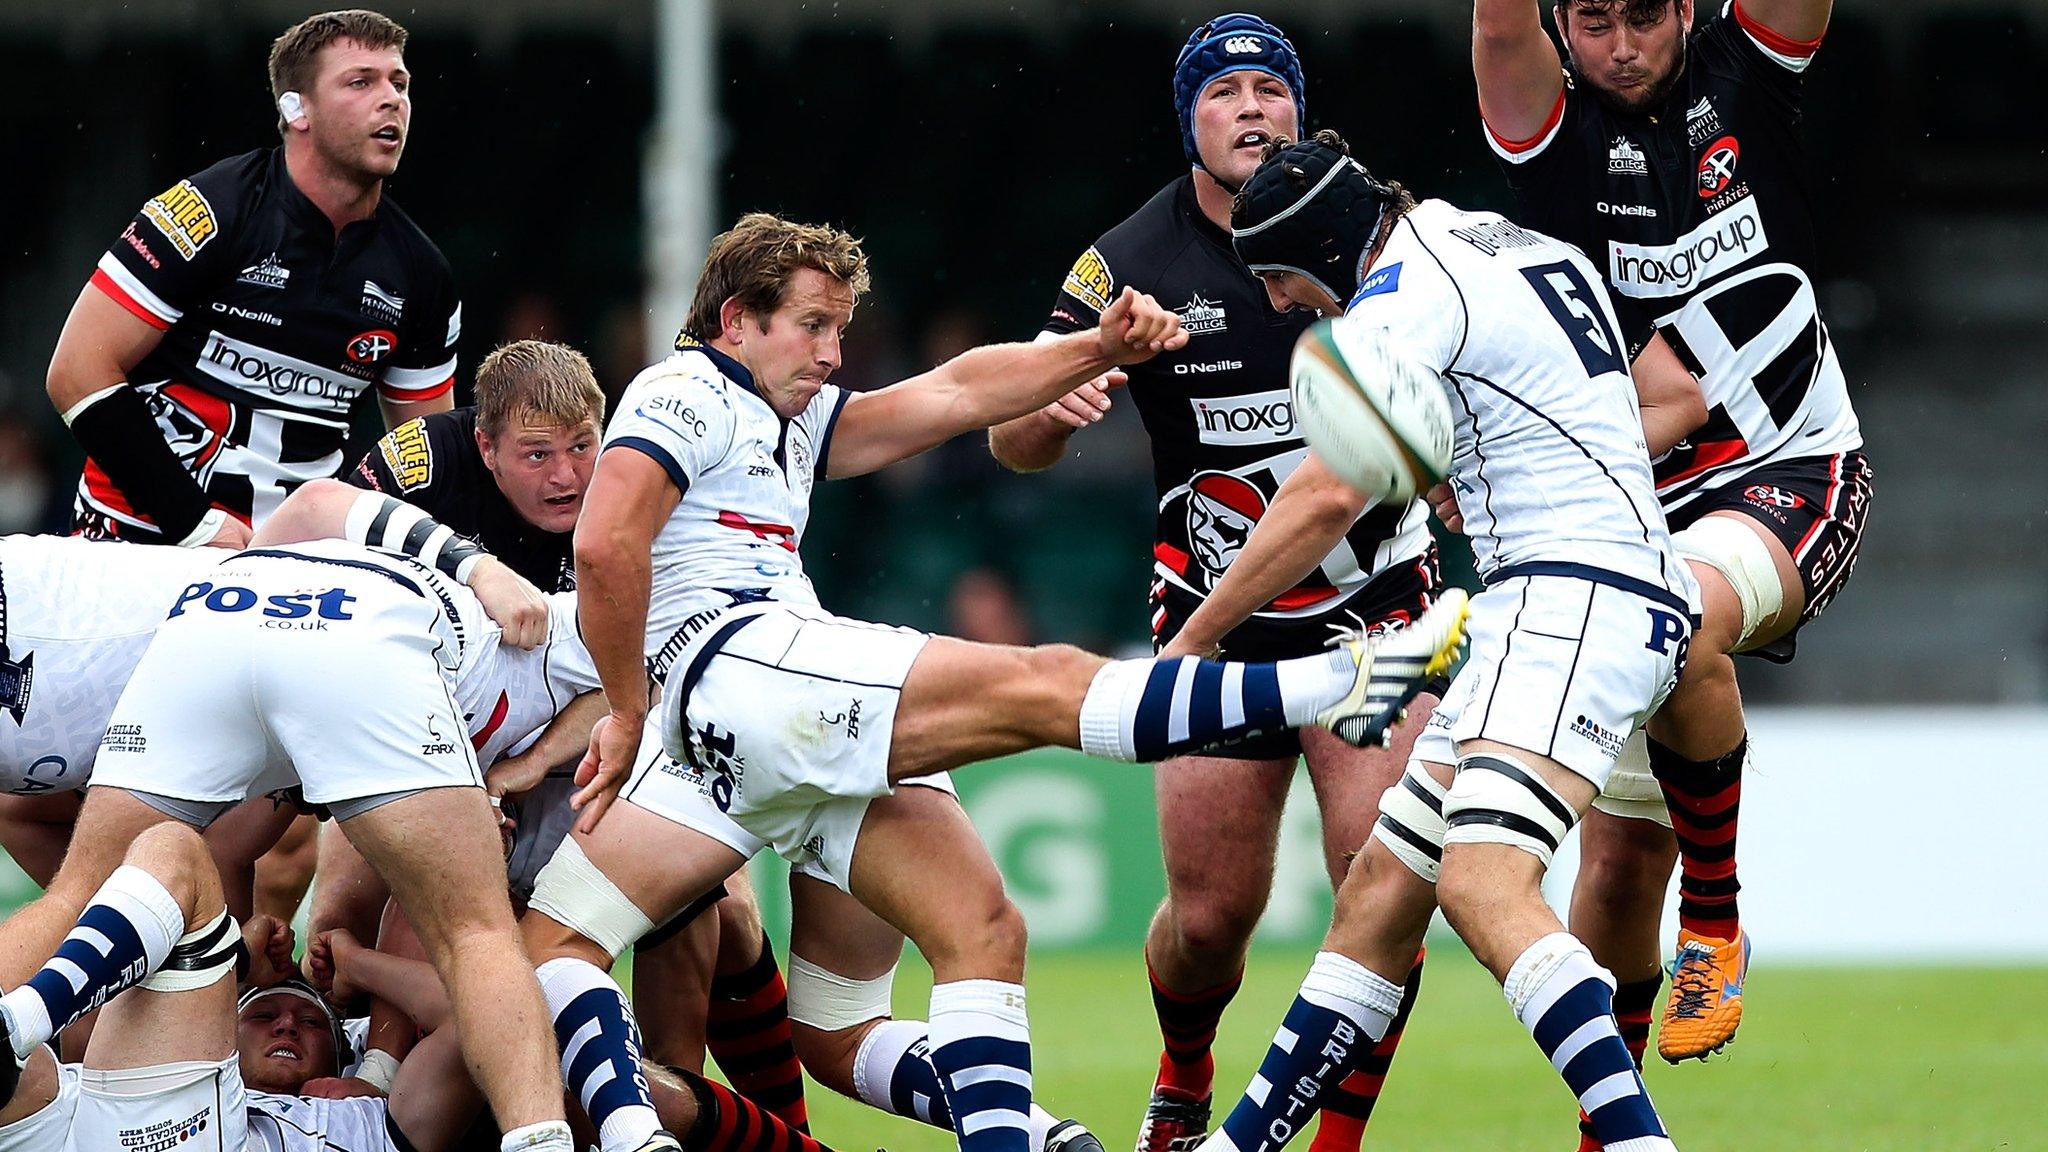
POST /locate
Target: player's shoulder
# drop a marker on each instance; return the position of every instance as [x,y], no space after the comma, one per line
[431,449]
[411,241]
[197,211]
[688,373]
[1134,252]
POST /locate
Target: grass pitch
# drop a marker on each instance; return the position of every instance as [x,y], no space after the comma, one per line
[1879,1058]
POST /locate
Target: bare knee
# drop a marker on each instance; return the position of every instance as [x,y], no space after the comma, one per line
[1626,870]
[176,856]
[988,942]
[1214,920]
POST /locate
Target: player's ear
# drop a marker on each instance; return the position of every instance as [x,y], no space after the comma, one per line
[484,449]
[729,314]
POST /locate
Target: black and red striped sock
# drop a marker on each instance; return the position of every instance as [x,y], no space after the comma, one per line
[1635,1003]
[1187,1022]
[1705,798]
[1348,1106]
[729,1122]
[747,1032]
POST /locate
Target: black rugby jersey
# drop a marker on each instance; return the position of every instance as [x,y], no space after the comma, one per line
[273,326]
[1699,214]
[1217,410]
[433,464]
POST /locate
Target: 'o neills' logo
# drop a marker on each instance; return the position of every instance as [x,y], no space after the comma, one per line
[1721,243]
[1257,418]
[244,365]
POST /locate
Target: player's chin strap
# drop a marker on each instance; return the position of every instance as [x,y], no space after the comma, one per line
[380,521]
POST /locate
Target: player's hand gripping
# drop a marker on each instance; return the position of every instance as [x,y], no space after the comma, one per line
[269,941]
[518,607]
[1085,405]
[1444,503]
[613,744]
[1134,328]
[327,964]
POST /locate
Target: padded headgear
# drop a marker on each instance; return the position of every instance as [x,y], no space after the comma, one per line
[344,1053]
[1310,209]
[1232,42]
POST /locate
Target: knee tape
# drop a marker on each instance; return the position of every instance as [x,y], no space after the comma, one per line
[1411,822]
[200,957]
[1497,799]
[1743,559]
[830,1002]
[577,895]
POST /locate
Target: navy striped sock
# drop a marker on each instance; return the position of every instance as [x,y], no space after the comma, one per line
[1145,711]
[124,934]
[1341,1012]
[893,1072]
[600,1044]
[1566,1000]
[981,1049]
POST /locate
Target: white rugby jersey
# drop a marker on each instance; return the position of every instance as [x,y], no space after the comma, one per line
[746,477]
[309,1124]
[79,613]
[1549,463]
[75,617]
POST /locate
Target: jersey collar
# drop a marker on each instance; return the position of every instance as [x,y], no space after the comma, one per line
[303,211]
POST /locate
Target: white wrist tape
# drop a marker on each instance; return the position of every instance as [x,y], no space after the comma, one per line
[378,1069]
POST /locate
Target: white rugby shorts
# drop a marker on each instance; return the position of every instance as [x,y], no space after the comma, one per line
[278,672]
[1566,667]
[188,1106]
[47,1128]
[783,717]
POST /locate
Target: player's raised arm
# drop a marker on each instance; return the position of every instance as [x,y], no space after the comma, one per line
[1521,84]
[1306,520]
[1789,27]
[986,386]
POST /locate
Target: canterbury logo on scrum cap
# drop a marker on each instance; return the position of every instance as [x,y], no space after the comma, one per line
[1244,45]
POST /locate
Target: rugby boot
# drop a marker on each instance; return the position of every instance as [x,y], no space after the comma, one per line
[1393,668]
[1071,1136]
[661,1141]
[1174,1121]
[1705,1006]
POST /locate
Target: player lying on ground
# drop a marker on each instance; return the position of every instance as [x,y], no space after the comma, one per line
[179,1053]
[1577,638]
[1768,501]
[800,725]
[1223,439]
[337,670]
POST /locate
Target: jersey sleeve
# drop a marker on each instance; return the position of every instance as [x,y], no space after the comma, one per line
[1781,55]
[176,249]
[571,671]
[680,420]
[1523,151]
[1088,288]
[413,462]
[423,367]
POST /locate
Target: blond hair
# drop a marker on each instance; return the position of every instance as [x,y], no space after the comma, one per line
[548,383]
[756,260]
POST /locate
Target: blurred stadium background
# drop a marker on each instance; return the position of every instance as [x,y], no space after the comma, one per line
[572,158]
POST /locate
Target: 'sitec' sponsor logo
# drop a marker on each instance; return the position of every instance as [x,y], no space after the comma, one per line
[1717,245]
[1257,418]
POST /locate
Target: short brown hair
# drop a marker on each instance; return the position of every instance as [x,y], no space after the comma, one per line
[293,54]
[550,383]
[757,258]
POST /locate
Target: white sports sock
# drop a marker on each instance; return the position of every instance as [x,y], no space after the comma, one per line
[1309,684]
[546,1136]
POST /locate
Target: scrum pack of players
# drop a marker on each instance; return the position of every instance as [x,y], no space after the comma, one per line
[378,660]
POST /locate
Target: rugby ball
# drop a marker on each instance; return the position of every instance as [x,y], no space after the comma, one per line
[1374,412]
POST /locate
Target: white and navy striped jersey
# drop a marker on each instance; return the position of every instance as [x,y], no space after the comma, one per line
[310,1124]
[745,475]
[1549,463]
